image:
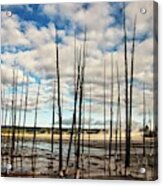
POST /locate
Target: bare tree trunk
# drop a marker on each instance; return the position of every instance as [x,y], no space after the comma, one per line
[119,114]
[6,127]
[118,117]
[53,119]
[74,128]
[144,120]
[111,115]
[33,158]
[151,132]
[13,97]
[105,147]
[126,90]
[20,112]
[15,80]
[2,124]
[80,107]
[35,119]
[3,112]
[24,119]
[25,112]
[6,113]
[120,138]
[131,86]
[10,124]
[59,107]
[2,105]
[74,112]
[89,130]
[83,128]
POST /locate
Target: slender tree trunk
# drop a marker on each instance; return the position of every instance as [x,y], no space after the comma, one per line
[89,130]
[15,113]
[83,129]
[119,114]
[116,135]
[35,119]
[2,124]
[131,86]
[118,124]
[105,147]
[126,91]
[13,96]
[74,112]
[151,133]
[120,138]
[15,79]
[6,127]
[10,123]
[25,112]
[2,105]
[3,112]
[74,128]
[20,113]
[111,115]
[144,120]
[53,119]
[6,113]
[59,107]
[33,158]
[53,124]
[80,108]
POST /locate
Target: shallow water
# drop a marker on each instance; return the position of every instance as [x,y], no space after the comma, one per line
[45,164]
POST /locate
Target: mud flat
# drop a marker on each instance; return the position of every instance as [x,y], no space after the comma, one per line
[42,163]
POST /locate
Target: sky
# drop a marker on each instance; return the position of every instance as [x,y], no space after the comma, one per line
[28,46]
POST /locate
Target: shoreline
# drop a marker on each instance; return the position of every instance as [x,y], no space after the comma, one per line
[136,138]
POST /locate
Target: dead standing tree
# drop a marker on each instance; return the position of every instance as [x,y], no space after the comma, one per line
[119,101]
[33,157]
[118,118]
[131,87]
[105,147]
[35,118]
[89,130]
[6,111]
[7,108]
[14,110]
[20,114]
[3,110]
[111,114]
[2,120]
[2,104]
[128,120]
[144,120]
[83,128]
[77,174]
[127,151]
[119,124]
[25,111]
[59,106]
[74,108]
[53,119]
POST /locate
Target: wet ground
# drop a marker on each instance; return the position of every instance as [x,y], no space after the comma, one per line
[96,165]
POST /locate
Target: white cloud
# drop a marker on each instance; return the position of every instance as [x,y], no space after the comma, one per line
[144,21]
[10,31]
[40,59]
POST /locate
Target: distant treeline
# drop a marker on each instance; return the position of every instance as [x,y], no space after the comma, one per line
[47,129]
[43,130]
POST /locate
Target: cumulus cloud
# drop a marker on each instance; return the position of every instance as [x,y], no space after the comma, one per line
[10,31]
[104,38]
